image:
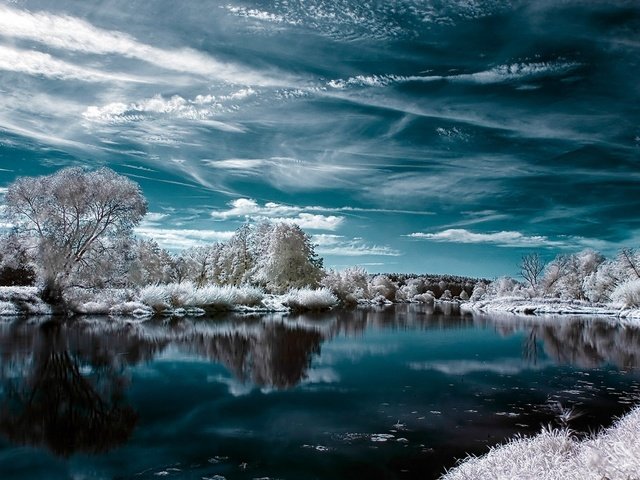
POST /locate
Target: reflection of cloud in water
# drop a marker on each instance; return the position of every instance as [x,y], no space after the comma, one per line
[505,366]
[322,375]
[333,353]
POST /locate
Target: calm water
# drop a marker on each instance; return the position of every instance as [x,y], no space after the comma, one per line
[397,392]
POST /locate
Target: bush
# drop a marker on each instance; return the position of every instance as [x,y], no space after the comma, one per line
[310,299]
[627,294]
[349,285]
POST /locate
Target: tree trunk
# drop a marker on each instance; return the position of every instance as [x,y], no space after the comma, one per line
[52,292]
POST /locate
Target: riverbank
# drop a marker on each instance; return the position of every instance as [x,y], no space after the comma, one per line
[614,454]
[176,299]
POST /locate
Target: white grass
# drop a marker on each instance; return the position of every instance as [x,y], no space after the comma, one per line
[155,296]
[310,299]
[613,454]
[186,295]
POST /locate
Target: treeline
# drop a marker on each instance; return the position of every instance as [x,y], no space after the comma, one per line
[587,275]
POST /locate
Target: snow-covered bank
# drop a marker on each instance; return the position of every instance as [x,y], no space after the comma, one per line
[545,306]
[613,454]
[177,299]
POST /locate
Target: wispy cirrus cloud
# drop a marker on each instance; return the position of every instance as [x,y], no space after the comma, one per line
[338,245]
[42,64]
[77,35]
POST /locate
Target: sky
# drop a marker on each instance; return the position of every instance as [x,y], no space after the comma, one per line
[405,136]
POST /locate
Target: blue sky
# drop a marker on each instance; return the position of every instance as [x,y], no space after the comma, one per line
[412,136]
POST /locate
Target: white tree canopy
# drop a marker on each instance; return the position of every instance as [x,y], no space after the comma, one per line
[76,216]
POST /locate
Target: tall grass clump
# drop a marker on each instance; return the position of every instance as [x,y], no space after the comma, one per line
[188,295]
[310,299]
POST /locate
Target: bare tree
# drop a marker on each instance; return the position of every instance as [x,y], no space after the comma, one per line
[629,258]
[75,217]
[531,268]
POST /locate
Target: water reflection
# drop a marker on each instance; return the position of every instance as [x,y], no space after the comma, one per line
[66,399]
[578,341]
[63,385]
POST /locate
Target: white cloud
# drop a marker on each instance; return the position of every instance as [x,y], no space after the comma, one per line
[178,239]
[152,217]
[77,35]
[311,221]
[38,63]
[502,238]
[251,209]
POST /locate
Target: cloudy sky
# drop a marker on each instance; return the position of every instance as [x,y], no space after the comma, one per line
[407,135]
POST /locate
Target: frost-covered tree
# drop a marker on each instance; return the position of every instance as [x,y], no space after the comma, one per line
[200,264]
[565,275]
[150,263]
[74,217]
[237,259]
[287,259]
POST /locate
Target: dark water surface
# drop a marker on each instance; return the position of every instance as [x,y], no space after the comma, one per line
[395,392]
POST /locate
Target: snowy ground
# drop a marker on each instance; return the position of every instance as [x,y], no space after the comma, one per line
[613,454]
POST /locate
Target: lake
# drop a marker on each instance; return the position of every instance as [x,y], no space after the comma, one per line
[378,393]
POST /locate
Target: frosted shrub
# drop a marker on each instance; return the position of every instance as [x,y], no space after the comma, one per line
[627,294]
[349,285]
[502,287]
[156,296]
[382,285]
[446,295]
[248,295]
[464,295]
[426,297]
[479,291]
[310,299]
[216,297]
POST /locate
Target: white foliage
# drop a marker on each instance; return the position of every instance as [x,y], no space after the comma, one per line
[310,299]
[557,455]
[349,285]
[382,285]
[627,294]
[156,296]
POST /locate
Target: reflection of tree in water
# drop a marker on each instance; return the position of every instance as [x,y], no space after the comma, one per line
[273,355]
[57,404]
[591,343]
[576,341]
